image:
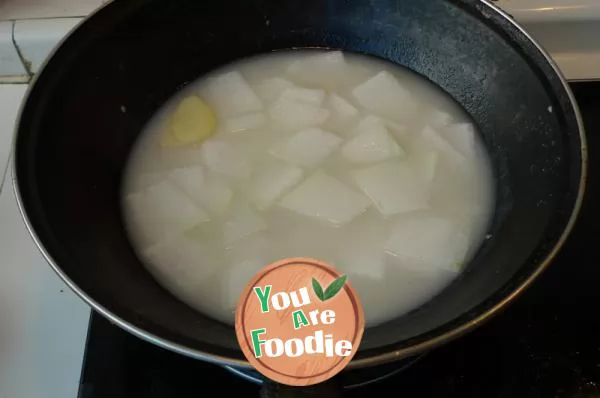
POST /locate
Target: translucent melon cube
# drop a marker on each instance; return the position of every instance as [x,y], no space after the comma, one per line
[206,191]
[189,179]
[271,88]
[245,260]
[324,67]
[244,221]
[438,118]
[249,121]
[361,252]
[303,240]
[171,158]
[425,165]
[311,96]
[398,130]
[230,94]
[322,61]
[371,123]
[325,198]
[269,185]
[367,124]
[152,221]
[134,206]
[144,180]
[173,207]
[293,114]
[225,159]
[462,137]
[258,246]
[462,247]
[215,196]
[237,279]
[307,148]
[372,145]
[432,139]
[427,242]
[366,263]
[180,261]
[146,227]
[383,95]
[341,106]
[342,111]
[393,188]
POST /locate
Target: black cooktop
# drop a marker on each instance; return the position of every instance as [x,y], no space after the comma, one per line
[546,344]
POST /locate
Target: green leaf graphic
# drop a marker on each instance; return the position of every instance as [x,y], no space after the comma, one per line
[318,289]
[335,287]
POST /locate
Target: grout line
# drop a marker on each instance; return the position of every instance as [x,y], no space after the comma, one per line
[44,18]
[5,171]
[26,64]
[16,79]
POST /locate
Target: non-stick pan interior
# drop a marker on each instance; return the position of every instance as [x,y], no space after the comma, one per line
[74,139]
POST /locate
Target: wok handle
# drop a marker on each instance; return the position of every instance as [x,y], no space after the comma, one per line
[327,389]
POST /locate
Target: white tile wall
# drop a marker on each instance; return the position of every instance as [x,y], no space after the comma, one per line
[27,9]
[36,38]
[10,101]
[43,325]
[527,11]
[11,66]
[567,29]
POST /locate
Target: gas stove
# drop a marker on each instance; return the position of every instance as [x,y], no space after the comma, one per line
[544,345]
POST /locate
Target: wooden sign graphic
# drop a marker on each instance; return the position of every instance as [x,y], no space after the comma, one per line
[299,322]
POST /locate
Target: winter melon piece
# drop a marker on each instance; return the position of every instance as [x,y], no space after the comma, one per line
[311,96]
[231,95]
[206,191]
[173,206]
[249,121]
[291,113]
[383,95]
[372,145]
[271,88]
[307,148]
[244,259]
[269,185]
[326,199]
[243,222]
[393,187]
[427,243]
[225,159]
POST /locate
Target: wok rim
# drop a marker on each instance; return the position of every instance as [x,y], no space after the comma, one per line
[378,359]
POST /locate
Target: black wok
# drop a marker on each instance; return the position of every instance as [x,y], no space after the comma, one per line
[73,140]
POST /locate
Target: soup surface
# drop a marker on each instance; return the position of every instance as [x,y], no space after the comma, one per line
[340,157]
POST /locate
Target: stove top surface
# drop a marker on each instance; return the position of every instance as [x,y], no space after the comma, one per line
[546,344]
